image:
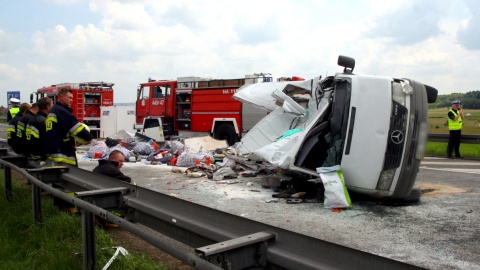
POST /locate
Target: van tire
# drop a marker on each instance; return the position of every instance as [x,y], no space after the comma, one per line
[225,132]
[414,195]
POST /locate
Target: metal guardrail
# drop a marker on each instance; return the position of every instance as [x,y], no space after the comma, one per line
[468,138]
[222,240]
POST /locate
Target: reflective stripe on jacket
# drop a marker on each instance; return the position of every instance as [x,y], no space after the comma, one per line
[12,139]
[60,126]
[35,134]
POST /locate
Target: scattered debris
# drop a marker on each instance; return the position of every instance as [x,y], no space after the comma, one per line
[203,157]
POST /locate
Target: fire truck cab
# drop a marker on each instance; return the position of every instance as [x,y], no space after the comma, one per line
[88,99]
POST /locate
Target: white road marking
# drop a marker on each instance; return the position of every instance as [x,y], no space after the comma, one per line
[451,163]
[473,171]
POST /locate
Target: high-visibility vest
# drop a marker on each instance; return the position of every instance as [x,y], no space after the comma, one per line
[14,111]
[454,124]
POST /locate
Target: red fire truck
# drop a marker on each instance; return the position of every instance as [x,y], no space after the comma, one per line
[88,97]
[195,106]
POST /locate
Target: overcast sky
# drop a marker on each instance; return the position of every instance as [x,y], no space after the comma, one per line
[44,42]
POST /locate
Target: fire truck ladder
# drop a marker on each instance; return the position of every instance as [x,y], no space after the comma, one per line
[80,108]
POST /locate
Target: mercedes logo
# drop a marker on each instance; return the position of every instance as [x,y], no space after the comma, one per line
[397,137]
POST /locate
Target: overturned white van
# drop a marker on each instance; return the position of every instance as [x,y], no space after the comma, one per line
[374,127]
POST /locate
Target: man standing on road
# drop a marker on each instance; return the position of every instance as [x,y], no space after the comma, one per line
[111,167]
[14,109]
[36,130]
[455,122]
[61,125]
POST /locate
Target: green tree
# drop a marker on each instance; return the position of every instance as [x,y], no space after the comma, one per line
[473,94]
[470,100]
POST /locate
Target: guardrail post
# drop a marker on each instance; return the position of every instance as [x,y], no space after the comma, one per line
[8,173]
[3,152]
[8,182]
[105,198]
[88,239]
[46,175]
[20,161]
[246,252]
[37,204]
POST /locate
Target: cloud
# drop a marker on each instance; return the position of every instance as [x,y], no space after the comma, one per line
[8,72]
[39,69]
[4,46]
[469,33]
[9,42]
[410,24]
[61,2]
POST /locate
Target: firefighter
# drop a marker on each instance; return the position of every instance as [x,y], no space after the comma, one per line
[22,128]
[12,138]
[61,128]
[35,132]
[14,109]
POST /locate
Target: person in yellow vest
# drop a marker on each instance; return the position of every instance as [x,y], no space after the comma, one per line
[455,123]
[14,109]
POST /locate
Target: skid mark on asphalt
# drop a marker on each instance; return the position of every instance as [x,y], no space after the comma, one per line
[446,163]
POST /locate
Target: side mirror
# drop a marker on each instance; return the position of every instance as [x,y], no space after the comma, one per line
[347,62]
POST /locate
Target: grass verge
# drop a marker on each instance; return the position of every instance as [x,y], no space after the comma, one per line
[438,121]
[439,149]
[57,242]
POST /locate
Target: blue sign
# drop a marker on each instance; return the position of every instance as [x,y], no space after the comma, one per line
[12,94]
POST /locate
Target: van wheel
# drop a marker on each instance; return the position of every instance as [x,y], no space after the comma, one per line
[225,132]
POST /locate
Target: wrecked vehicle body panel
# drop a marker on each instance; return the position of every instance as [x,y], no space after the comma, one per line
[374,127]
[263,141]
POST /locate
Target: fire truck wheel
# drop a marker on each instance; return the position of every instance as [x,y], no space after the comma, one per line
[225,132]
